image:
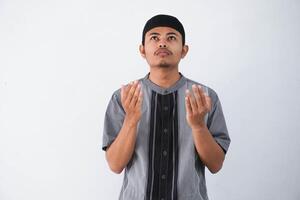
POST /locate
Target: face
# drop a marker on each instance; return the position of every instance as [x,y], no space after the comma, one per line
[163,47]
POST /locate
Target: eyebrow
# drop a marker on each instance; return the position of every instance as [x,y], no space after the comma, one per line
[170,33]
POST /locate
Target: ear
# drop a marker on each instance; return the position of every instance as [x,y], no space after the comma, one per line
[184,51]
[142,51]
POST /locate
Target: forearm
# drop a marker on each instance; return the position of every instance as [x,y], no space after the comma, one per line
[120,151]
[208,149]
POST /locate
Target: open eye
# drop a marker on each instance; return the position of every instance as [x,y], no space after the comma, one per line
[171,37]
[154,37]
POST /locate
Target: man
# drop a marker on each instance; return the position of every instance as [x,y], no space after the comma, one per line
[164,129]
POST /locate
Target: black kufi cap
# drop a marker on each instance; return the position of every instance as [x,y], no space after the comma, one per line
[164,21]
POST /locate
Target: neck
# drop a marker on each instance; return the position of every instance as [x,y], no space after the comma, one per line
[164,77]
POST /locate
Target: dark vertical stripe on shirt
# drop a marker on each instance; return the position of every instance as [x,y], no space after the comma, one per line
[163,148]
[151,145]
[176,152]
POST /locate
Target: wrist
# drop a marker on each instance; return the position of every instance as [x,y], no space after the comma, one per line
[130,122]
[199,127]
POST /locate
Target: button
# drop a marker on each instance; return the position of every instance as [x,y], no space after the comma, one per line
[163,176]
[165,152]
[166,91]
[165,130]
[162,199]
[166,108]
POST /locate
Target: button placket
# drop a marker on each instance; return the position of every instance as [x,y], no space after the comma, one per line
[166,120]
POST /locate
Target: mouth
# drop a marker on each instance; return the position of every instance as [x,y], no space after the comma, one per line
[163,52]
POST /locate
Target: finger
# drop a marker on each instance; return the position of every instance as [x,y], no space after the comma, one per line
[131,92]
[135,96]
[197,96]
[123,93]
[208,101]
[126,88]
[192,101]
[188,106]
[140,100]
[202,96]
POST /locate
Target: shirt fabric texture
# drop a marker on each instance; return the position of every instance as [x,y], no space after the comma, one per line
[165,164]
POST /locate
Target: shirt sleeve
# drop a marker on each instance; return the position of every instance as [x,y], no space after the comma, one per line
[217,125]
[113,121]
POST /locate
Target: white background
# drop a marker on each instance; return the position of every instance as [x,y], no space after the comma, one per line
[60,62]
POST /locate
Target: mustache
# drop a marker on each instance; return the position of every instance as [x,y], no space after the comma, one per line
[163,50]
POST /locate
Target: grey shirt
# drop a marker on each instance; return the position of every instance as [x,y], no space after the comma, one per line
[165,164]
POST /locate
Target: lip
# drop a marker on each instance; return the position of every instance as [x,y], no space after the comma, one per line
[163,52]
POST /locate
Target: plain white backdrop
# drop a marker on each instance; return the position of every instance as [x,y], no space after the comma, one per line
[60,62]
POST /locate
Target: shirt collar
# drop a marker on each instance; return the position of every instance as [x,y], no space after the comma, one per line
[161,90]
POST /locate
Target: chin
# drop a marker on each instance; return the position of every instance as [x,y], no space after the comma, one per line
[164,64]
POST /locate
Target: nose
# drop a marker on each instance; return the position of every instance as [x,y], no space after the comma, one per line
[162,43]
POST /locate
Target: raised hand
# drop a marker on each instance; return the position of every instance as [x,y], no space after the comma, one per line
[197,106]
[131,98]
